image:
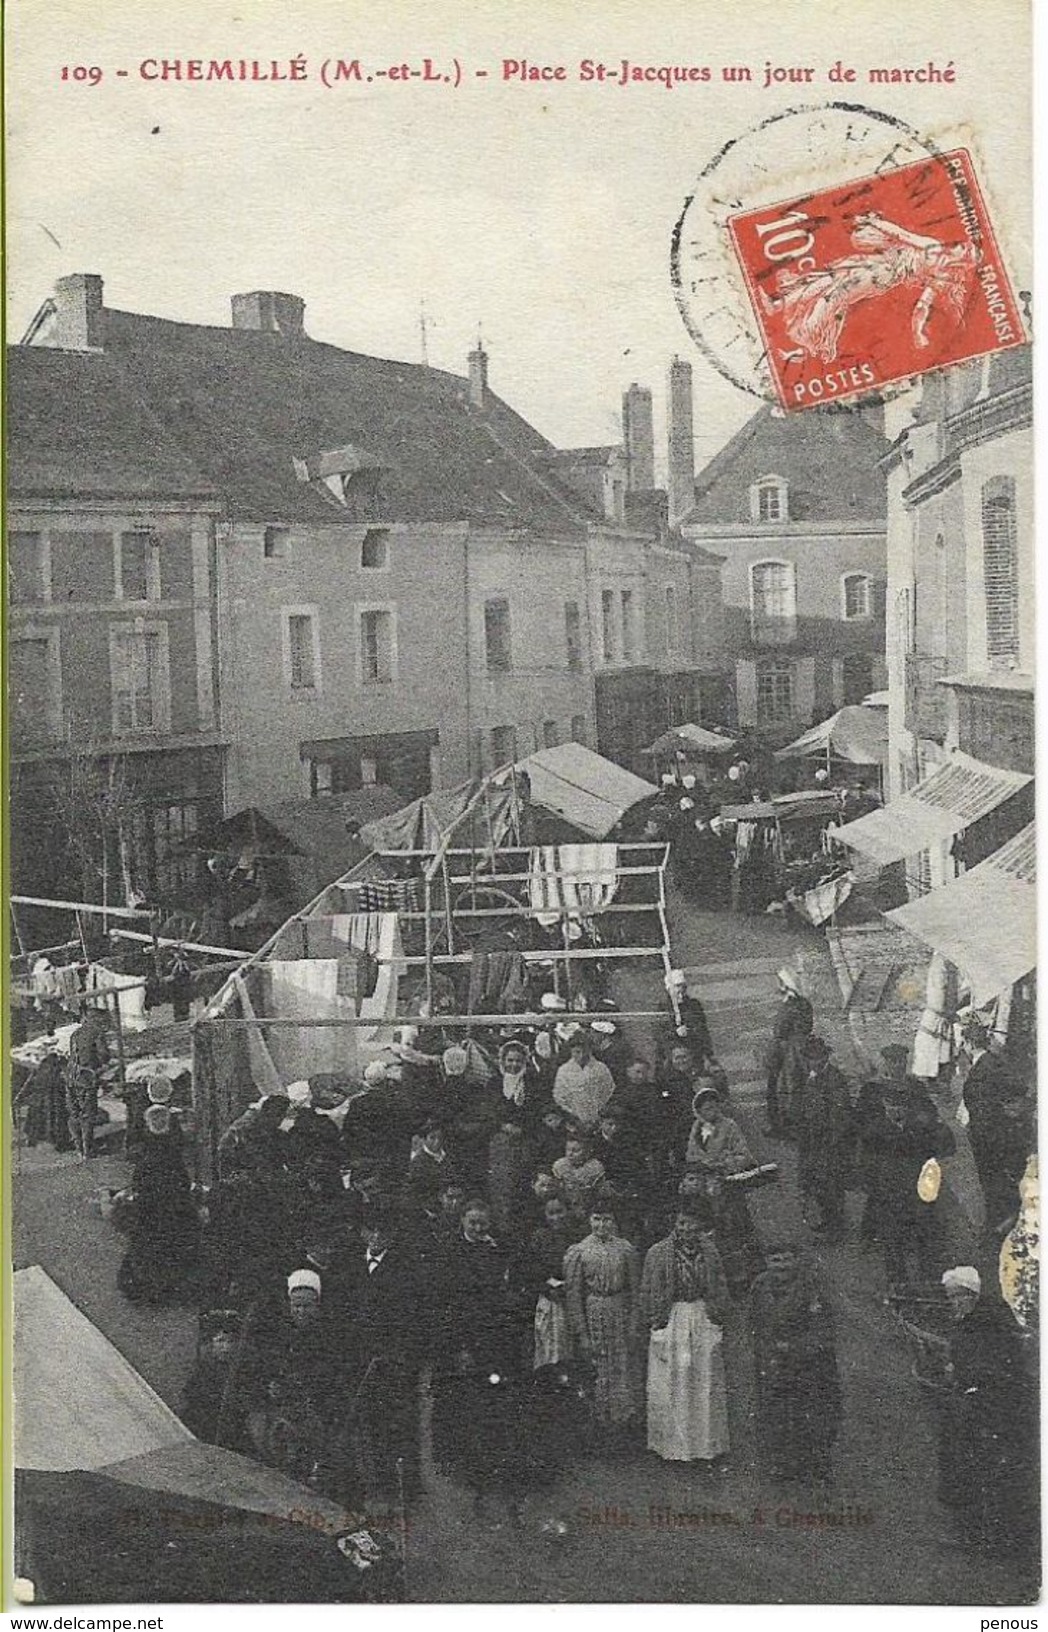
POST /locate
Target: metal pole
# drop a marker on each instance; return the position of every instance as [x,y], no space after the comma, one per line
[448,915]
[428,904]
[444,1021]
[119,1029]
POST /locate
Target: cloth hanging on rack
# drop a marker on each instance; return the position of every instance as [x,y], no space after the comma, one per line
[132,994]
[498,981]
[389,895]
[67,979]
[578,879]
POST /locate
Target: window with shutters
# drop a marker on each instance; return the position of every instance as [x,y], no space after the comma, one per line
[573,635]
[138,665]
[672,621]
[301,642]
[774,691]
[138,575]
[773,602]
[34,695]
[629,648]
[855,596]
[550,734]
[275,542]
[25,569]
[1000,568]
[607,624]
[378,646]
[498,640]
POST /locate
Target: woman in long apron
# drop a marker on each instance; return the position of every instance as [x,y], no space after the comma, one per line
[684,1297]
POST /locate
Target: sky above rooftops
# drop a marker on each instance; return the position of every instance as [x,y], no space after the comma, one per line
[540,215]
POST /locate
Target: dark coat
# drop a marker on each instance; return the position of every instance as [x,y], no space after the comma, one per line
[898,1129]
[693,1031]
[825,1130]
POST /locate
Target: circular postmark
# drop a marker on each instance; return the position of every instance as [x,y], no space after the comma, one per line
[801,152]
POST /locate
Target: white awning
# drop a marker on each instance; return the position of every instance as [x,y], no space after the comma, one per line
[77,1402]
[952,798]
[984,922]
[587,790]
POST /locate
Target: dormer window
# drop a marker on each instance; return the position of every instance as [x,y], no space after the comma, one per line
[769,500]
[350,475]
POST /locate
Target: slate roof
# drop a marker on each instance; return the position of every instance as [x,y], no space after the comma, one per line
[245,403]
[603,455]
[828,458]
[74,430]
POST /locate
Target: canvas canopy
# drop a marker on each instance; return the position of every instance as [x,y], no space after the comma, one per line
[691,739]
[985,921]
[858,735]
[785,807]
[116,1499]
[582,788]
[959,793]
[422,824]
[78,1402]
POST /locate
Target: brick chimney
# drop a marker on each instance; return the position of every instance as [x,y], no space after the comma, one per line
[680,468]
[638,438]
[478,376]
[270,311]
[79,320]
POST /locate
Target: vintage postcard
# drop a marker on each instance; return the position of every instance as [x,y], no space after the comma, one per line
[520,851]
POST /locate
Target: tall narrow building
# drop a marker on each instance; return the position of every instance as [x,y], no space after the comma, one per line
[680,471]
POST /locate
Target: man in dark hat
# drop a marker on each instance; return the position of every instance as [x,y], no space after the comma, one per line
[825,1135]
[898,1130]
[390,1324]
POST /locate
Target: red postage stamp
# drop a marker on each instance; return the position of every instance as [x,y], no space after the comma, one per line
[860,286]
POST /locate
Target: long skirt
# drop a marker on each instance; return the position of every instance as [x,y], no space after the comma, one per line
[687,1400]
[616,1393]
[552,1340]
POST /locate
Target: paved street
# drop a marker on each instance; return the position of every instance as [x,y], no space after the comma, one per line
[744,1541]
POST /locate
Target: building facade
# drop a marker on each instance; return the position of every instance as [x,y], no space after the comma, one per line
[116,745]
[400,580]
[961,631]
[795,504]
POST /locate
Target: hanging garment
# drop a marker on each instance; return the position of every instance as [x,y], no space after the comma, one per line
[390,895]
[574,879]
[933,1044]
[498,982]
[132,994]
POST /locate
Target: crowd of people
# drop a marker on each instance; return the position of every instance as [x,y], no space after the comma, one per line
[543,1234]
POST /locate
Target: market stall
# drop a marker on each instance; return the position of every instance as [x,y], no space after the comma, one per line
[460,938]
[852,741]
[689,748]
[782,855]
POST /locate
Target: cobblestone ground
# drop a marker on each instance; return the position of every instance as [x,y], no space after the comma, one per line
[741,1540]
